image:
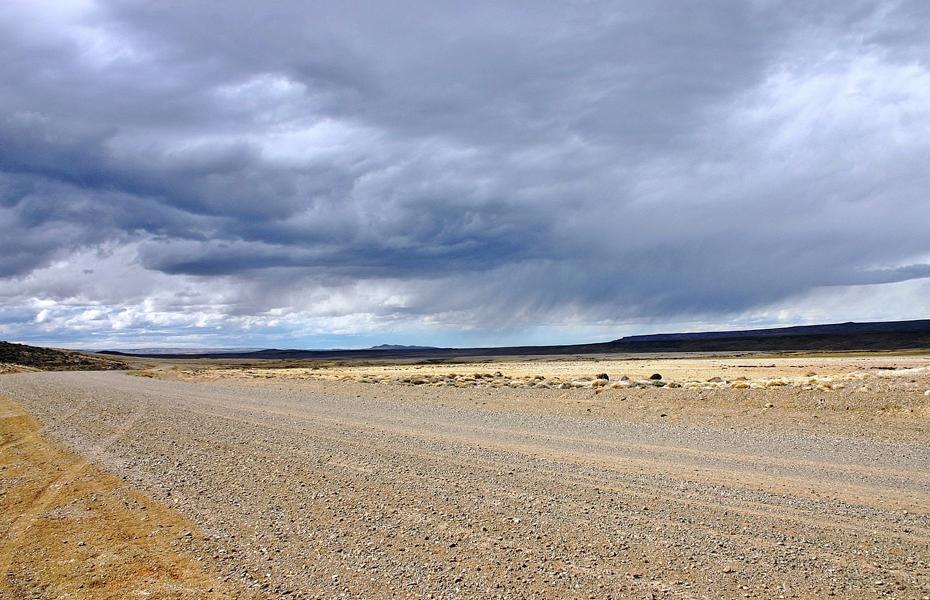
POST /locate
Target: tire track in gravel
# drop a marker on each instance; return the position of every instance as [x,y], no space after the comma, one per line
[854,479]
[754,508]
[594,442]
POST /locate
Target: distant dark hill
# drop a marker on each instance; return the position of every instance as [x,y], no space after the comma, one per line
[50,359]
[843,329]
[178,351]
[401,347]
[892,335]
[897,335]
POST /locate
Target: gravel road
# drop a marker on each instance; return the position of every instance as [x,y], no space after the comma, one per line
[353,491]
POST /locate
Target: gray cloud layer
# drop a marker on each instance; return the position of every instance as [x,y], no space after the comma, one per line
[495,164]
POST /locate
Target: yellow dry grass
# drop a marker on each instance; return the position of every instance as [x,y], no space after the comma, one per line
[821,372]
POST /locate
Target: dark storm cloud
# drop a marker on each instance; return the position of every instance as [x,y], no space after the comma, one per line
[501,161]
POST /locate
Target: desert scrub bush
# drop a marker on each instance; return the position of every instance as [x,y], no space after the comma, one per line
[144,373]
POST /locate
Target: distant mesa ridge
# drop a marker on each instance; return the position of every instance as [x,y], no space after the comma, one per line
[887,335]
[401,347]
[848,328]
[178,351]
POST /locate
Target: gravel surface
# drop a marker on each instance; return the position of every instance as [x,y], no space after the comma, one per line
[346,490]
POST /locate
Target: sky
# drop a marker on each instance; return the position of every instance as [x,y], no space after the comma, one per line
[343,174]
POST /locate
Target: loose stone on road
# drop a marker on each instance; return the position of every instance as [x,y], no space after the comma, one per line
[332,489]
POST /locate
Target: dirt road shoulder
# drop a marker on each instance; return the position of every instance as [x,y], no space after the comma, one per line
[69,529]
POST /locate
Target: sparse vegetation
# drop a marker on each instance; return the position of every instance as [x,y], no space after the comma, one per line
[14,356]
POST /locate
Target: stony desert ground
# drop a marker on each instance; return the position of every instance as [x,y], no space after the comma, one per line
[729,477]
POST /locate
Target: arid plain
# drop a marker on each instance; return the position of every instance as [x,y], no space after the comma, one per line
[585,477]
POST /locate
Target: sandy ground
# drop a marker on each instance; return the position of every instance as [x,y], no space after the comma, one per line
[320,487]
[69,530]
